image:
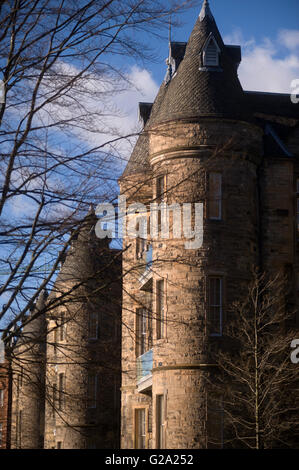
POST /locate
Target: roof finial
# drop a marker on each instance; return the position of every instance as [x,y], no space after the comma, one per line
[90,210]
[205,11]
[169,29]
[168,60]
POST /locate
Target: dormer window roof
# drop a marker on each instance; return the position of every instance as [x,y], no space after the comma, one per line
[210,53]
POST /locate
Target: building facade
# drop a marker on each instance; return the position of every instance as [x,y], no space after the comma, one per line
[83,348]
[235,153]
[224,162]
[28,382]
[66,362]
[5,392]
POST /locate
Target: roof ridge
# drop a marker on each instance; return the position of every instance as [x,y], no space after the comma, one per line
[205,11]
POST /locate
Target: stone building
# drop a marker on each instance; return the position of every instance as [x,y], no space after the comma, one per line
[234,153]
[5,391]
[83,347]
[66,363]
[28,381]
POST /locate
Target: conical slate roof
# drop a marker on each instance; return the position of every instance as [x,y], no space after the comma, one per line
[34,324]
[194,90]
[82,260]
[88,262]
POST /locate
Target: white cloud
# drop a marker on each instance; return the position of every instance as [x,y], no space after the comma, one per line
[260,70]
[289,38]
[265,66]
[109,104]
[237,38]
[21,206]
[143,88]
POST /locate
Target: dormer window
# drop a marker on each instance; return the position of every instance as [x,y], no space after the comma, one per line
[211,53]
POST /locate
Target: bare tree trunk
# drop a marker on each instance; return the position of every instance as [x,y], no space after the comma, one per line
[60,148]
[256,376]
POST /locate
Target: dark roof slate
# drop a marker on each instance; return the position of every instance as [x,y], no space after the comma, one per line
[177,52]
[192,92]
[273,144]
[195,91]
[139,160]
[82,259]
[145,111]
[235,53]
[275,104]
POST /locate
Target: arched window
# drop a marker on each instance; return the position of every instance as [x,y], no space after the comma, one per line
[211,53]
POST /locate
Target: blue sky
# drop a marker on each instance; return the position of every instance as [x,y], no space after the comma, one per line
[255,19]
[267,31]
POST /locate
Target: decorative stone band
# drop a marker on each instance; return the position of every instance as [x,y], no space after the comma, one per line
[212,118]
[193,137]
[183,367]
[128,388]
[181,152]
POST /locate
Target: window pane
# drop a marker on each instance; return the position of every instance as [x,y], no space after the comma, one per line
[214,209]
[19,428]
[93,325]
[60,391]
[1,351]
[92,391]
[215,429]
[140,247]
[160,421]
[62,326]
[160,188]
[215,423]
[215,306]
[140,428]
[215,196]
[217,300]
[141,322]
[53,400]
[149,330]
[160,309]
[55,340]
